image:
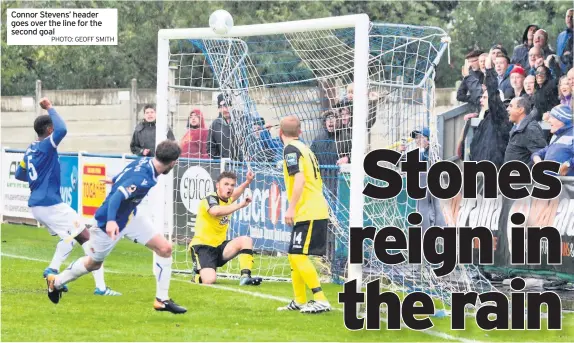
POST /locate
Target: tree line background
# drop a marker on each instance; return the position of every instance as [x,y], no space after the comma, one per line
[470,24]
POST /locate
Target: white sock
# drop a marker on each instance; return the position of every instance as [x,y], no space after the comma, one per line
[162,272]
[63,249]
[98,274]
[74,271]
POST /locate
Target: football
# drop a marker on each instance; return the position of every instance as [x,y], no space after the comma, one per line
[221,22]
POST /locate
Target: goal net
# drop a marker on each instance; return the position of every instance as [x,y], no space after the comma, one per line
[354,91]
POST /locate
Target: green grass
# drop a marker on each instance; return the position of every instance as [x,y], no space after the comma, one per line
[214,314]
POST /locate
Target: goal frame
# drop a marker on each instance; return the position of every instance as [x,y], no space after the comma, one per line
[162,194]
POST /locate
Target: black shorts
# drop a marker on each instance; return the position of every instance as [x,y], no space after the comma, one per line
[309,238]
[206,256]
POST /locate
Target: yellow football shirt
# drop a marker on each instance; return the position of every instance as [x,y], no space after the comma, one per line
[312,205]
[210,230]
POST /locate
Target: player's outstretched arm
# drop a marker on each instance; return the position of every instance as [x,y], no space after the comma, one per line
[21,172]
[219,211]
[60,129]
[239,190]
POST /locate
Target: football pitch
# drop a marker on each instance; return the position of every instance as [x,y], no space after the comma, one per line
[224,312]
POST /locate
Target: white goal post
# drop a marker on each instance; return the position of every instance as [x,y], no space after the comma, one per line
[162,194]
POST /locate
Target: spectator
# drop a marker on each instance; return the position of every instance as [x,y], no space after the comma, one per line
[526,136]
[470,89]
[491,136]
[564,42]
[222,141]
[541,41]
[495,50]
[520,54]
[194,142]
[422,138]
[503,68]
[324,146]
[535,59]
[565,91]
[344,126]
[517,76]
[481,60]
[143,138]
[546,89]
[561,148]
[567,59]
[272,148]
[529,82]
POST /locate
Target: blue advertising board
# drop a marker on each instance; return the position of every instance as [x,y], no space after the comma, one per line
[264,219]
[69,180]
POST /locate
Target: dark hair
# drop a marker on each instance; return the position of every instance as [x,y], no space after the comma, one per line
[473,53]
[227,175]
[149,106]
[524,102]
[500,54]
[167,151]
[41,125]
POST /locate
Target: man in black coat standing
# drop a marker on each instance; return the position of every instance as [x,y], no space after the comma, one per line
[526,136]
[143,138]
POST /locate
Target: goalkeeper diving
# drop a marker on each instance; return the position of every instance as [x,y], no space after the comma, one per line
[209,247]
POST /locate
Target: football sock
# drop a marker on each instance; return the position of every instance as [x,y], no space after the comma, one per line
[308,273]
[246,261]
[98,274]
[162,272]
[63,249]
[298,283]
[74,271]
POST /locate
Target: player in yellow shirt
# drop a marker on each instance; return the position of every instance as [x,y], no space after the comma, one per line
[308,213]
[209,247]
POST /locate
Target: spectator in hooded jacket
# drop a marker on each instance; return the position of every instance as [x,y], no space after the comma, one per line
[470,89]
[564,42]
[143,138]
[561,147]
[520,54]
[194,142]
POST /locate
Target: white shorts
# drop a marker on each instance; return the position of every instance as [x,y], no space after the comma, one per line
[60,219]
[139,229]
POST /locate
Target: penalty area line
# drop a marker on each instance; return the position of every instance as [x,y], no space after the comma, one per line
[430,332]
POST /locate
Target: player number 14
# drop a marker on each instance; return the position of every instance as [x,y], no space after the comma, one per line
[297,238]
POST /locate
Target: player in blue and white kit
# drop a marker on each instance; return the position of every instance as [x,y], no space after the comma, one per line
[41,169]
[119,216]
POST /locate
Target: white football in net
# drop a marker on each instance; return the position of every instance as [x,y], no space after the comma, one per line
[221,22]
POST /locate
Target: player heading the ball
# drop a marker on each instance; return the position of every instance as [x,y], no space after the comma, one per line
[209,249]
[40,168]
[119,216]
[308,213]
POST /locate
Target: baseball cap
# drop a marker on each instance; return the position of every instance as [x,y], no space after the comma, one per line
[425,132]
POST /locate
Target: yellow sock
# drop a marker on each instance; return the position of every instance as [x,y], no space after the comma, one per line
[246,261]
[309,274]
[298,283]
